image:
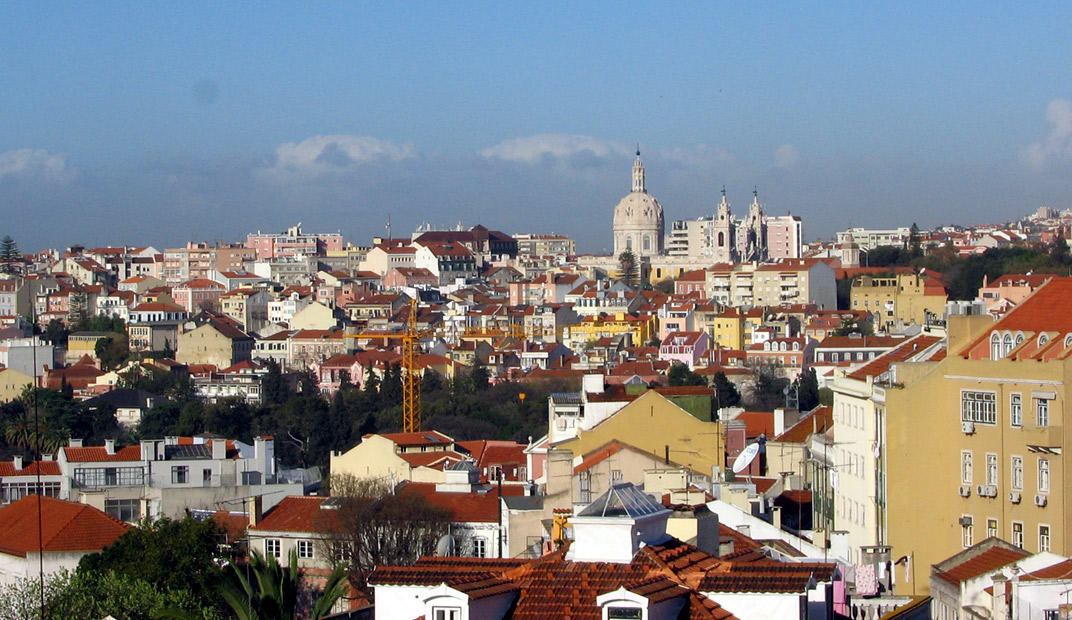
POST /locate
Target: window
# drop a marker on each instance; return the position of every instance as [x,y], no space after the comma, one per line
[1044,538]
[966,533]
[109,476]
[206,475]
[446,613]
[966,467]
[1016,410]
[995,347]
[123,509]
[625,613]
[271,547]
[305,549]
[991,528]
[992,469]
[1044,475]
[616,475]
[1042,411]
[978,407]
[1008,345]
[180,474]
[1017,473]
[480,548]
[1018,534]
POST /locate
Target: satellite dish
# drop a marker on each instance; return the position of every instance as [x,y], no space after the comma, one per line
[445,546]
[745,458]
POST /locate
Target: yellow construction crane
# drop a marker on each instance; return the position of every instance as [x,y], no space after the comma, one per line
[411,378]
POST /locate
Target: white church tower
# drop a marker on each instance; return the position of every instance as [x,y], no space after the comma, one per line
[638,219]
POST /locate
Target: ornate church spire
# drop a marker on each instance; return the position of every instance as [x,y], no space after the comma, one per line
[638,173]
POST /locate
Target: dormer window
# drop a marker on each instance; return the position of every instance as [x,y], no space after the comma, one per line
[1042,340]
[1007,345]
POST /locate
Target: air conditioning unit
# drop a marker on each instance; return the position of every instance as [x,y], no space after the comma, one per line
[991,490]
[1040,500]
[965,490]
[983,490]
[1014,497]
[968,428]
[965,521]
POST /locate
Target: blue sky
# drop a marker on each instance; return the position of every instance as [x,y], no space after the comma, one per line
[130,123]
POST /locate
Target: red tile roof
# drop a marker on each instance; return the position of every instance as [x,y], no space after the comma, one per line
[421,438]
[296,513]
[65,526]
[878,366]
[769,577]
[818,420]
[93,454]
[989,560]
[757,423]
[47,468]
[553,587]
[473,507]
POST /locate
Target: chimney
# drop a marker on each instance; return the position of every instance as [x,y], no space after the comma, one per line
[74,443]
[109,446]
[18,463]
[148,450]
[254,508]
[219,449]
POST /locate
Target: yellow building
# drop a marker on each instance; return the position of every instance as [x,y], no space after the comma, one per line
[418,457]
[975,442]
[654,424]
[897,301]
[12,383]
[592,328]
[727,329]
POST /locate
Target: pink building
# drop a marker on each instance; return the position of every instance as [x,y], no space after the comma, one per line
[293,242]
[689,348]
[194,295]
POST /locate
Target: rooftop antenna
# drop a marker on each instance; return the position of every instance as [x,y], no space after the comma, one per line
[388,229]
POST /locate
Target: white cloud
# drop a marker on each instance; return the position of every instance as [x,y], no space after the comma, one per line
[1056,146]
[531,149]
[786,156]
[699,156]
[325,155]
[35,163]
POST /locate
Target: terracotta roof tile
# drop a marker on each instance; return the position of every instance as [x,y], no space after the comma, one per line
[47,468]
[296,513]
[65,526]
[991,559]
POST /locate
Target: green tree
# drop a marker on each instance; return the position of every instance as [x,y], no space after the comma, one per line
[373,526]
[726,393]
[264,590]
[112,351]
[274,390]
[171,555]
[807,390]
[56,333]
[628,268]
[915,243]
[9,255]
[766,389]
[479,377]
[679,374]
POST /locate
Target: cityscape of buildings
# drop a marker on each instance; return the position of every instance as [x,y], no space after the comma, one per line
[904,460]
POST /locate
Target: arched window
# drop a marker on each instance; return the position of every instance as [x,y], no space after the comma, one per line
[721,239]
[629,243]
[647,242]
[1068,341]
[995,347]
[1019,339]
[1043,339]
[1008,345]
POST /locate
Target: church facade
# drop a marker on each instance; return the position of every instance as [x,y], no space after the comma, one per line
[639,227]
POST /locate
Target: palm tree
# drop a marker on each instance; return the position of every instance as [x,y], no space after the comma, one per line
[264,590]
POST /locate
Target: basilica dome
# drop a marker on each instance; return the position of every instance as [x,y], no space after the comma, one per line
[638,219]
